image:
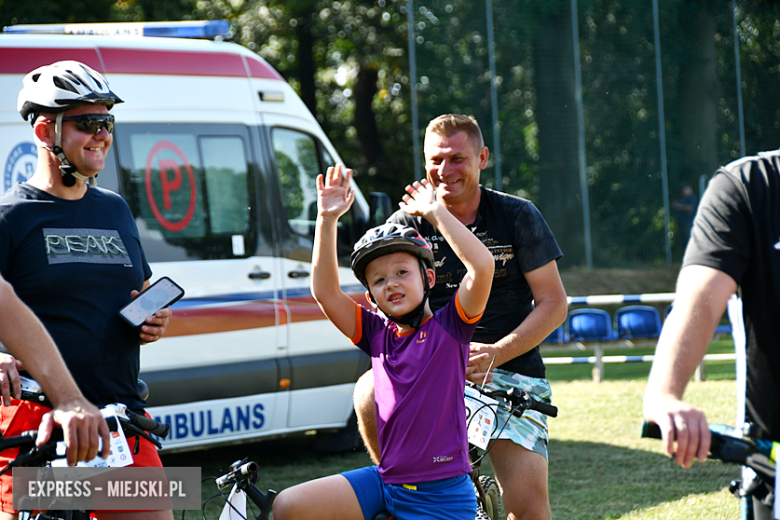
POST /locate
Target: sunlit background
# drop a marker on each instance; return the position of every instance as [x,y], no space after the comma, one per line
[598,111]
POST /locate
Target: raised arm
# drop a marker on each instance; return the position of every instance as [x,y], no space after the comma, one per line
[475,286]
[702,295]
[334,198]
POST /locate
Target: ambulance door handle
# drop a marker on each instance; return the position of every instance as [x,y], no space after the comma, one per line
[259,275]
[298,274]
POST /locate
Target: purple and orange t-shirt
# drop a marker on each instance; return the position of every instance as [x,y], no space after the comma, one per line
[419,378]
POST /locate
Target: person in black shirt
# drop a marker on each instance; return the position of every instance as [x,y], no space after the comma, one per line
[734,247]
[507,338]
[72,252]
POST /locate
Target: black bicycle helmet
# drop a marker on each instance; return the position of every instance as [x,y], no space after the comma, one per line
[386,239]
[394,238]
[57,88]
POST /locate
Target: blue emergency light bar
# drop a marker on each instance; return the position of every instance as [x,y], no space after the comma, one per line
[208,29]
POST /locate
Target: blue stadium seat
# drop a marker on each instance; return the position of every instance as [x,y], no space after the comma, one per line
[557,336]
[590,325]
[637,321]
[723,329]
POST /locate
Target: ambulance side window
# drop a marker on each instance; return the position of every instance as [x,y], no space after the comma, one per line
[300,157]
[225,165]
[298,164]
[191,190]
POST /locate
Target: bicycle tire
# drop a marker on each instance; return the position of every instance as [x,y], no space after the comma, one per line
[481,514]
[492,509]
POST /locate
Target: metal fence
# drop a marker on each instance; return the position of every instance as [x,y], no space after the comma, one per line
[600,112]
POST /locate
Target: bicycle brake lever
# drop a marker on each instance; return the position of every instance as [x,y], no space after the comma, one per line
[138,431]
[124,421]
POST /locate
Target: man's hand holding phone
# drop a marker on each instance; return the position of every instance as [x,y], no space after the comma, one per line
[154,326]
[149,312]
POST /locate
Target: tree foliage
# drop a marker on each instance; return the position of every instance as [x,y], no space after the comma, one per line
[349,61]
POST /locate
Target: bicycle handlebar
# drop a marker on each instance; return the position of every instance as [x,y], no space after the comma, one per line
[528,402]
[20,441]
[148,424]
[35,454]
[244,471]
[651,430]
[243,474]
[32,391]
[133,424]
[745,450]
[519,401]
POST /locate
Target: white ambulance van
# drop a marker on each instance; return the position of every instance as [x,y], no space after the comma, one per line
[217,157]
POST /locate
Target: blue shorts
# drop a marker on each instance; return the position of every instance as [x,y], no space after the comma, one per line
[446,499]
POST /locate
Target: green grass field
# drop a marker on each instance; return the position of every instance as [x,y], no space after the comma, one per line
[599,466]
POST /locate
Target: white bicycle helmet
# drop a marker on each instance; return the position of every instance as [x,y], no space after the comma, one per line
[61,86]
[57,88]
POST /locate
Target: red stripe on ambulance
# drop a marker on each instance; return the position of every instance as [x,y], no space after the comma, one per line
[21,61]
[139,61]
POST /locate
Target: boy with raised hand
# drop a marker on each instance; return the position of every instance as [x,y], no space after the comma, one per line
[419,361]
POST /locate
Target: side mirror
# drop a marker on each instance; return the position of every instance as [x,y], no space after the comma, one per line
[380,208]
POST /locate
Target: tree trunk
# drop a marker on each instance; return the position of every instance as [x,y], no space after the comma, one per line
[365,119]
[700,91]
[306,66]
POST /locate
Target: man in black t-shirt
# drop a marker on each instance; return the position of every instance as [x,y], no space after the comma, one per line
[520,240]
[72,252]
[734,247]
[507,338]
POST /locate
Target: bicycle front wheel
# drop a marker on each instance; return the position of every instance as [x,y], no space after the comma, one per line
[492,506]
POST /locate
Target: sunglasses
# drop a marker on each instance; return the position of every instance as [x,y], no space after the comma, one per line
[92,123]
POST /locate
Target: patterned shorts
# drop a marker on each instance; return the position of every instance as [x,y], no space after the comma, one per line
[530,431]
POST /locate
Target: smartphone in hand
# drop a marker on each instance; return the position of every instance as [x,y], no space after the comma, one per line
[159,295]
